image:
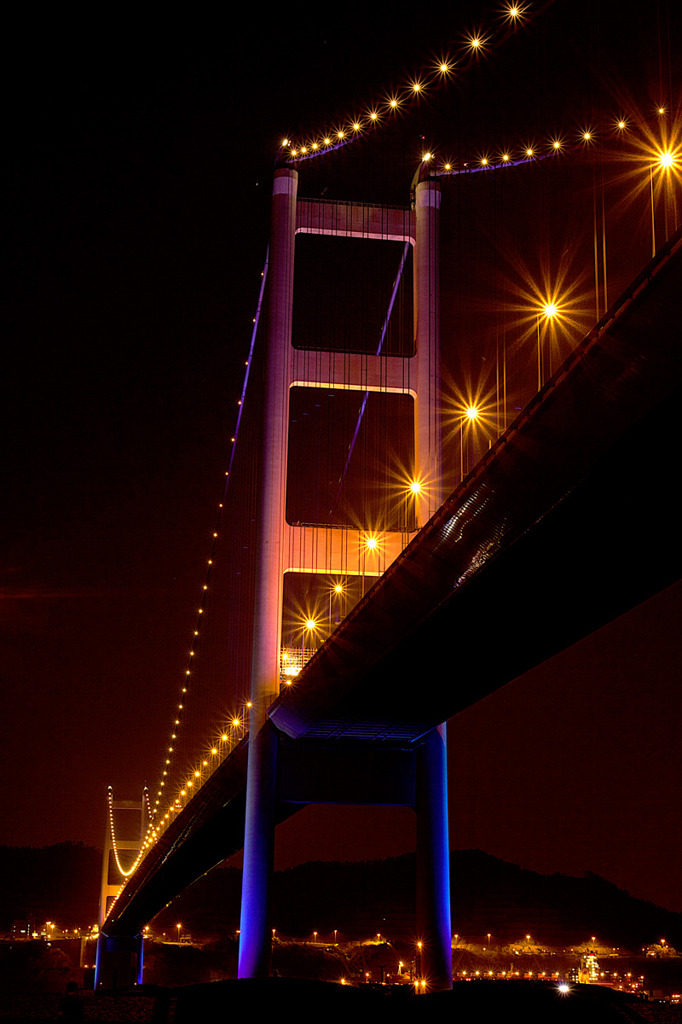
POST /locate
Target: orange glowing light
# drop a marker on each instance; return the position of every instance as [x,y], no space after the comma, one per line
[512,12]
[667,159]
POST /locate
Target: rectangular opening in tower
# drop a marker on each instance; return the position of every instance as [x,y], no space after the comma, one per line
[313,605]
[351,459]
[345,289]
[126,859]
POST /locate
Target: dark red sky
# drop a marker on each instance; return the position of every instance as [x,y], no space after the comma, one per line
[141,157]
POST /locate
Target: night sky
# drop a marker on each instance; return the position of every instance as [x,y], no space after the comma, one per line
[140,152]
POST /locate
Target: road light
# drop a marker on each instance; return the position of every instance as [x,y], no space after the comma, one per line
[470,416]
[548,311]
[666,161]
[337,592]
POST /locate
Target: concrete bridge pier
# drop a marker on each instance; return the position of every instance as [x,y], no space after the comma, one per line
[255,946]
[286,772]
[433,861]
[119,961]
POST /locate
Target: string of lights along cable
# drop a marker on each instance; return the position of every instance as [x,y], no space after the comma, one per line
[628,159]
[474,45]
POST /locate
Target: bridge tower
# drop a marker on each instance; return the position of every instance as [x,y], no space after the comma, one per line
[119,959]
[279,772]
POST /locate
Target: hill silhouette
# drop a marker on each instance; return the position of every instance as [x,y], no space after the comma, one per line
[61,883]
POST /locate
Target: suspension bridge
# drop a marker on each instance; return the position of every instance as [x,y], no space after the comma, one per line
[371,570]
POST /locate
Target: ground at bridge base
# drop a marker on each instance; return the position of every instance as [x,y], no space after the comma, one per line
[481,1002]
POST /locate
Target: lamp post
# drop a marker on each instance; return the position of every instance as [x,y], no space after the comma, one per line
[548,311]
[469,416]
[537,322]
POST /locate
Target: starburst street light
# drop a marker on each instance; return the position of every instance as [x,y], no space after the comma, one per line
[667,159]
[655,159]
[547,313]
[548,310]
[473,415]
[470,416]
[664,168]
[512,12]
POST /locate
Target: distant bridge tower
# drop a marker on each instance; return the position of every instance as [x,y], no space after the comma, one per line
[119,960]
[277,772]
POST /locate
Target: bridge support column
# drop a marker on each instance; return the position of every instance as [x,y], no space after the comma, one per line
[433,854]
[254,939]
[433,861]
[428,430]
[255,947]
[119,961]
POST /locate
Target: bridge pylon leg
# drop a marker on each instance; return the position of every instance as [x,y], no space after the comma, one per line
[433,862]
[119,961]
[255,946]
[255,935]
